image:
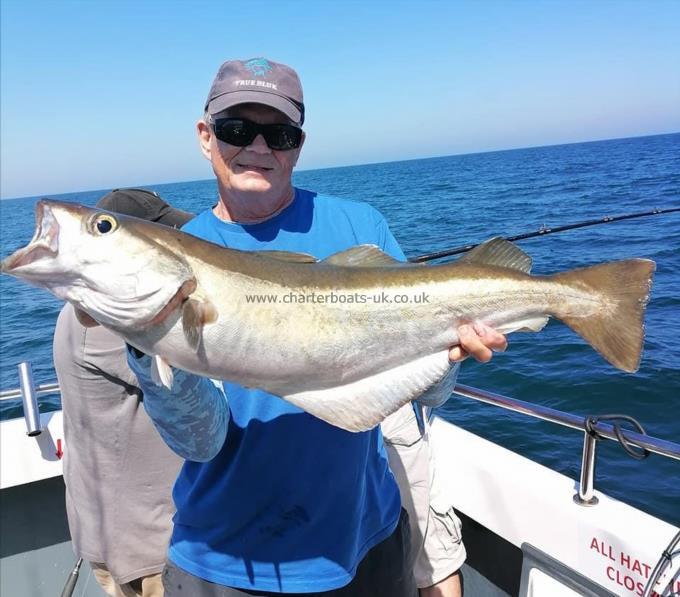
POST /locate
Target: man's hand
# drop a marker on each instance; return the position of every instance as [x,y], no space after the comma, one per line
[478,341]
[84,319]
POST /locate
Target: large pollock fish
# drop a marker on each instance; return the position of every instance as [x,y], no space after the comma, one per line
[350,361]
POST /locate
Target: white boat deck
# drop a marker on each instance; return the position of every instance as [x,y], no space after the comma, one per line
[513,498]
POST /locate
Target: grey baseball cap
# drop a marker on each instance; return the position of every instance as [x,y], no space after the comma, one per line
[257,81]
[144,204]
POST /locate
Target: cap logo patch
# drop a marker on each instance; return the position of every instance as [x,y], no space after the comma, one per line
[255,83]
[258,66]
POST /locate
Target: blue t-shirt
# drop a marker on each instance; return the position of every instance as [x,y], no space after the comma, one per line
[290,503]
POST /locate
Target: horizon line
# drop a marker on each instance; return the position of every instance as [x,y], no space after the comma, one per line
[432,157]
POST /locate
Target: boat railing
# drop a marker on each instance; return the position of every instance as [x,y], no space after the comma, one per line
[593,428]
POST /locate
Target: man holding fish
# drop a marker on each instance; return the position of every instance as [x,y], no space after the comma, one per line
[295,495]
[285,502]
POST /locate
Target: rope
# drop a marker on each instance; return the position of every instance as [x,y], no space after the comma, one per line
[631,449]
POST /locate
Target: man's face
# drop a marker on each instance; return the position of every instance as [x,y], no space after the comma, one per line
[254,173]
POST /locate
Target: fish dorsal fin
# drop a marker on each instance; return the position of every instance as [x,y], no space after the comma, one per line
[500,252]
[286,256]
[362,256]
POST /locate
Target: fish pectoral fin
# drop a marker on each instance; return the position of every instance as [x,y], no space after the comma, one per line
[195,314]
[363,404]
[161,372]
[364,256]
[287,256]
[499,252]
[531,324]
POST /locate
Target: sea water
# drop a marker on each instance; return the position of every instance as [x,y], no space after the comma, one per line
[432,204]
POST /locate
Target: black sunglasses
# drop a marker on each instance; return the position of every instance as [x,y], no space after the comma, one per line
[242,132]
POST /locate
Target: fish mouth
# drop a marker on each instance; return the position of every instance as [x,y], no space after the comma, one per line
[45,242]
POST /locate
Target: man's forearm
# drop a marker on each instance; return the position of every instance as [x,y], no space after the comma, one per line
[439,393]
[192,417]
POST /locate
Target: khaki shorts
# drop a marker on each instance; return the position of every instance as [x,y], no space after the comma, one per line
[146,586]
[435,529]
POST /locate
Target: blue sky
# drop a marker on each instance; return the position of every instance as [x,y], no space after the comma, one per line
[98,94]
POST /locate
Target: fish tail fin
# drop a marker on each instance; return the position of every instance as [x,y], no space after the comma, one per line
[616,330]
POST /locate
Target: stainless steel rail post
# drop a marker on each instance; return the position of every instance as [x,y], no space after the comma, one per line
[30,400]
[593,430]
[586,490]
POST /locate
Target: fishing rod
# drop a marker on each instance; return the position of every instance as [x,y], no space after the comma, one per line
[544,230]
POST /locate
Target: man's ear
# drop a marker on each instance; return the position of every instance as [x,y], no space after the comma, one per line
[204,137]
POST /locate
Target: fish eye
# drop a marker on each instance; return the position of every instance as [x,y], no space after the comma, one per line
[104,224]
